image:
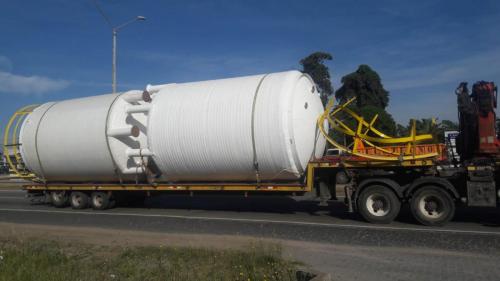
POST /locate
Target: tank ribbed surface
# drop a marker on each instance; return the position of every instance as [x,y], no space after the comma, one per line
[218,130]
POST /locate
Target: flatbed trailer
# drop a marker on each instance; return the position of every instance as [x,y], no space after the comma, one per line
[375,189]
[295,187]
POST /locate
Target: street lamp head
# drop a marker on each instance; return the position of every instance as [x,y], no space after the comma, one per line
[140,18]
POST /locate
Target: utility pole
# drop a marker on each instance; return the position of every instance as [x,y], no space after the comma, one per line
[113,78]
[115,30]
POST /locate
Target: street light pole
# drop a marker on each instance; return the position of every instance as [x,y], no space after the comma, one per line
[115,34]
[114,61]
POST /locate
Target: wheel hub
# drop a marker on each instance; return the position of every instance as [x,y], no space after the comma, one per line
[58,196]
[378,205]
[77,200]
[98,201]
[430,206]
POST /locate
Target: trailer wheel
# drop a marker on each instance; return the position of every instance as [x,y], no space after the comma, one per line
[100,200]
[432,206]
[378,204]
[59,199]
[79,200]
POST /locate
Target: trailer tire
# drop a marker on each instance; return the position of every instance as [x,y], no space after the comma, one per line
[59,199]
[100,200]
[378,204]
[432,206]
[79,200]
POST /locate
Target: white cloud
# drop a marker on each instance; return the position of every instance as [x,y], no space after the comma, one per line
[29,85]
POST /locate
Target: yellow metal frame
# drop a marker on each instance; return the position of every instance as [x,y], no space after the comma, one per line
[361,135]
[373,164]
[175,187]
[233,187]
[11,139]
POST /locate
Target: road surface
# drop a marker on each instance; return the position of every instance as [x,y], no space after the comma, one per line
[326,238]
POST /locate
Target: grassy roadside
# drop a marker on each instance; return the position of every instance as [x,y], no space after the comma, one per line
[48,260]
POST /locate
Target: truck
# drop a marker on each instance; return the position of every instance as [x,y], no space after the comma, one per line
[374,176]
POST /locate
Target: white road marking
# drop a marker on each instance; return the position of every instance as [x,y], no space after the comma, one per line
[95,213]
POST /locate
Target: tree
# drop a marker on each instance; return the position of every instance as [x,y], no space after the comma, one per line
[428,126]
[371,97]
[366,86]
[315,67]
[448,125]
[384,123]
[402,131]
[445,125]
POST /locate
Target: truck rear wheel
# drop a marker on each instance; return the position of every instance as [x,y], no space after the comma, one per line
[59,199]
[79,200]
[378,204]
[100,200]
[432,206]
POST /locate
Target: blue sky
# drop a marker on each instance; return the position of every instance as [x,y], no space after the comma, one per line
[53,50]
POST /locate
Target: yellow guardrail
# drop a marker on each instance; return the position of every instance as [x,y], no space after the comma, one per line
[11,143]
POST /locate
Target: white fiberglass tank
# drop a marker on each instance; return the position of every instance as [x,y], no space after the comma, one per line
[260,127]
[255,128]
[93,139]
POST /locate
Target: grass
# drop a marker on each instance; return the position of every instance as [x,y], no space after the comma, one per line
[48,260]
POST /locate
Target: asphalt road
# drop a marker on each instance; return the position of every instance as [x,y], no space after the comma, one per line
[466,249]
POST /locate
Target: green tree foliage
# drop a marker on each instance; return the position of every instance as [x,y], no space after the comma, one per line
[440,128]
[384,123]
[402,131]
[366,86]
[314,65]
[428,126]
[448,125]
[371,98]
